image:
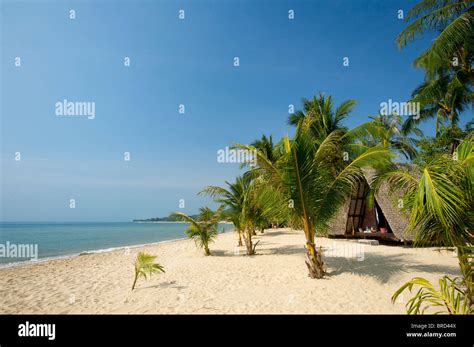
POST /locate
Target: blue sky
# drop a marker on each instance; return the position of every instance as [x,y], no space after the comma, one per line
[173,62]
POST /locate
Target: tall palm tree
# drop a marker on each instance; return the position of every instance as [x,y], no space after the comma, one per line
[386,130]
[439,197]
[454,20]
[250,202]
[265,145]
[251,215]
[320,113]
[262,205]
[448,62]
[447,139]
[203,230]
[233,198]
[312,191]
[443,98]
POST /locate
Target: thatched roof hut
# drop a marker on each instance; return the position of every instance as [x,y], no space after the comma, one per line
[383,221]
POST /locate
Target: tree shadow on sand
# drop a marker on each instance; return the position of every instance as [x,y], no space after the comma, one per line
[260,251]
[222,253]
[271,233]
[384,267]
[164,285]
[294,249]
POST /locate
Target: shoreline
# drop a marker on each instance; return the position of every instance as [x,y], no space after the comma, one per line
[168,222]
[273,281]
[90,252]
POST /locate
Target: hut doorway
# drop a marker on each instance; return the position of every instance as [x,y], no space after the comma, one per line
[382,223]
[361,219]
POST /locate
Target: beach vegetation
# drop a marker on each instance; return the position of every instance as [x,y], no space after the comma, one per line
[439,199]
[250,205]
[312,175]
[145,266]
[448,62]
[388,131]
[437,188]
[203,229]
[232,197]
[450,297]
[452,48]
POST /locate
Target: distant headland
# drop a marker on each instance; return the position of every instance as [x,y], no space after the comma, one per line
[160,219]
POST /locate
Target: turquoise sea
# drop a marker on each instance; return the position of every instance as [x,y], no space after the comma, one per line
[63,239]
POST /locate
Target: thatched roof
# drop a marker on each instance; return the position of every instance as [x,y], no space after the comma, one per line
[396,218]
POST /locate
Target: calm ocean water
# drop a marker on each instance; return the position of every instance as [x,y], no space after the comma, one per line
[62,239]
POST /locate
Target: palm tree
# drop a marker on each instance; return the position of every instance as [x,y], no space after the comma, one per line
[443,98]
[262,204]
[454,20]
[448,62]
[312,191]
[447,138]
[145,266]
[233,199]
[203,230]
[386,130]
[250,215]
[320,114]
[250,205]
[265,145]
[439,198]
[450,297]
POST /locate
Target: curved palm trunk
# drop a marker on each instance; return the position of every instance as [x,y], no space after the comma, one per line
[453,143]
[437,125]
[248,241]
[207,251]
[313,257]
[135,281]
[313,260]
[240,238]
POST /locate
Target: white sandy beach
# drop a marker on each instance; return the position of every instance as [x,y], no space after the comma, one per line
[274,281]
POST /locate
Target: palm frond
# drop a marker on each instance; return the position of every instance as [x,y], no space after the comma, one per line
[448,298]
[145,266]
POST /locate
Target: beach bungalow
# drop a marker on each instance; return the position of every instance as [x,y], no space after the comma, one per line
[383,221]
